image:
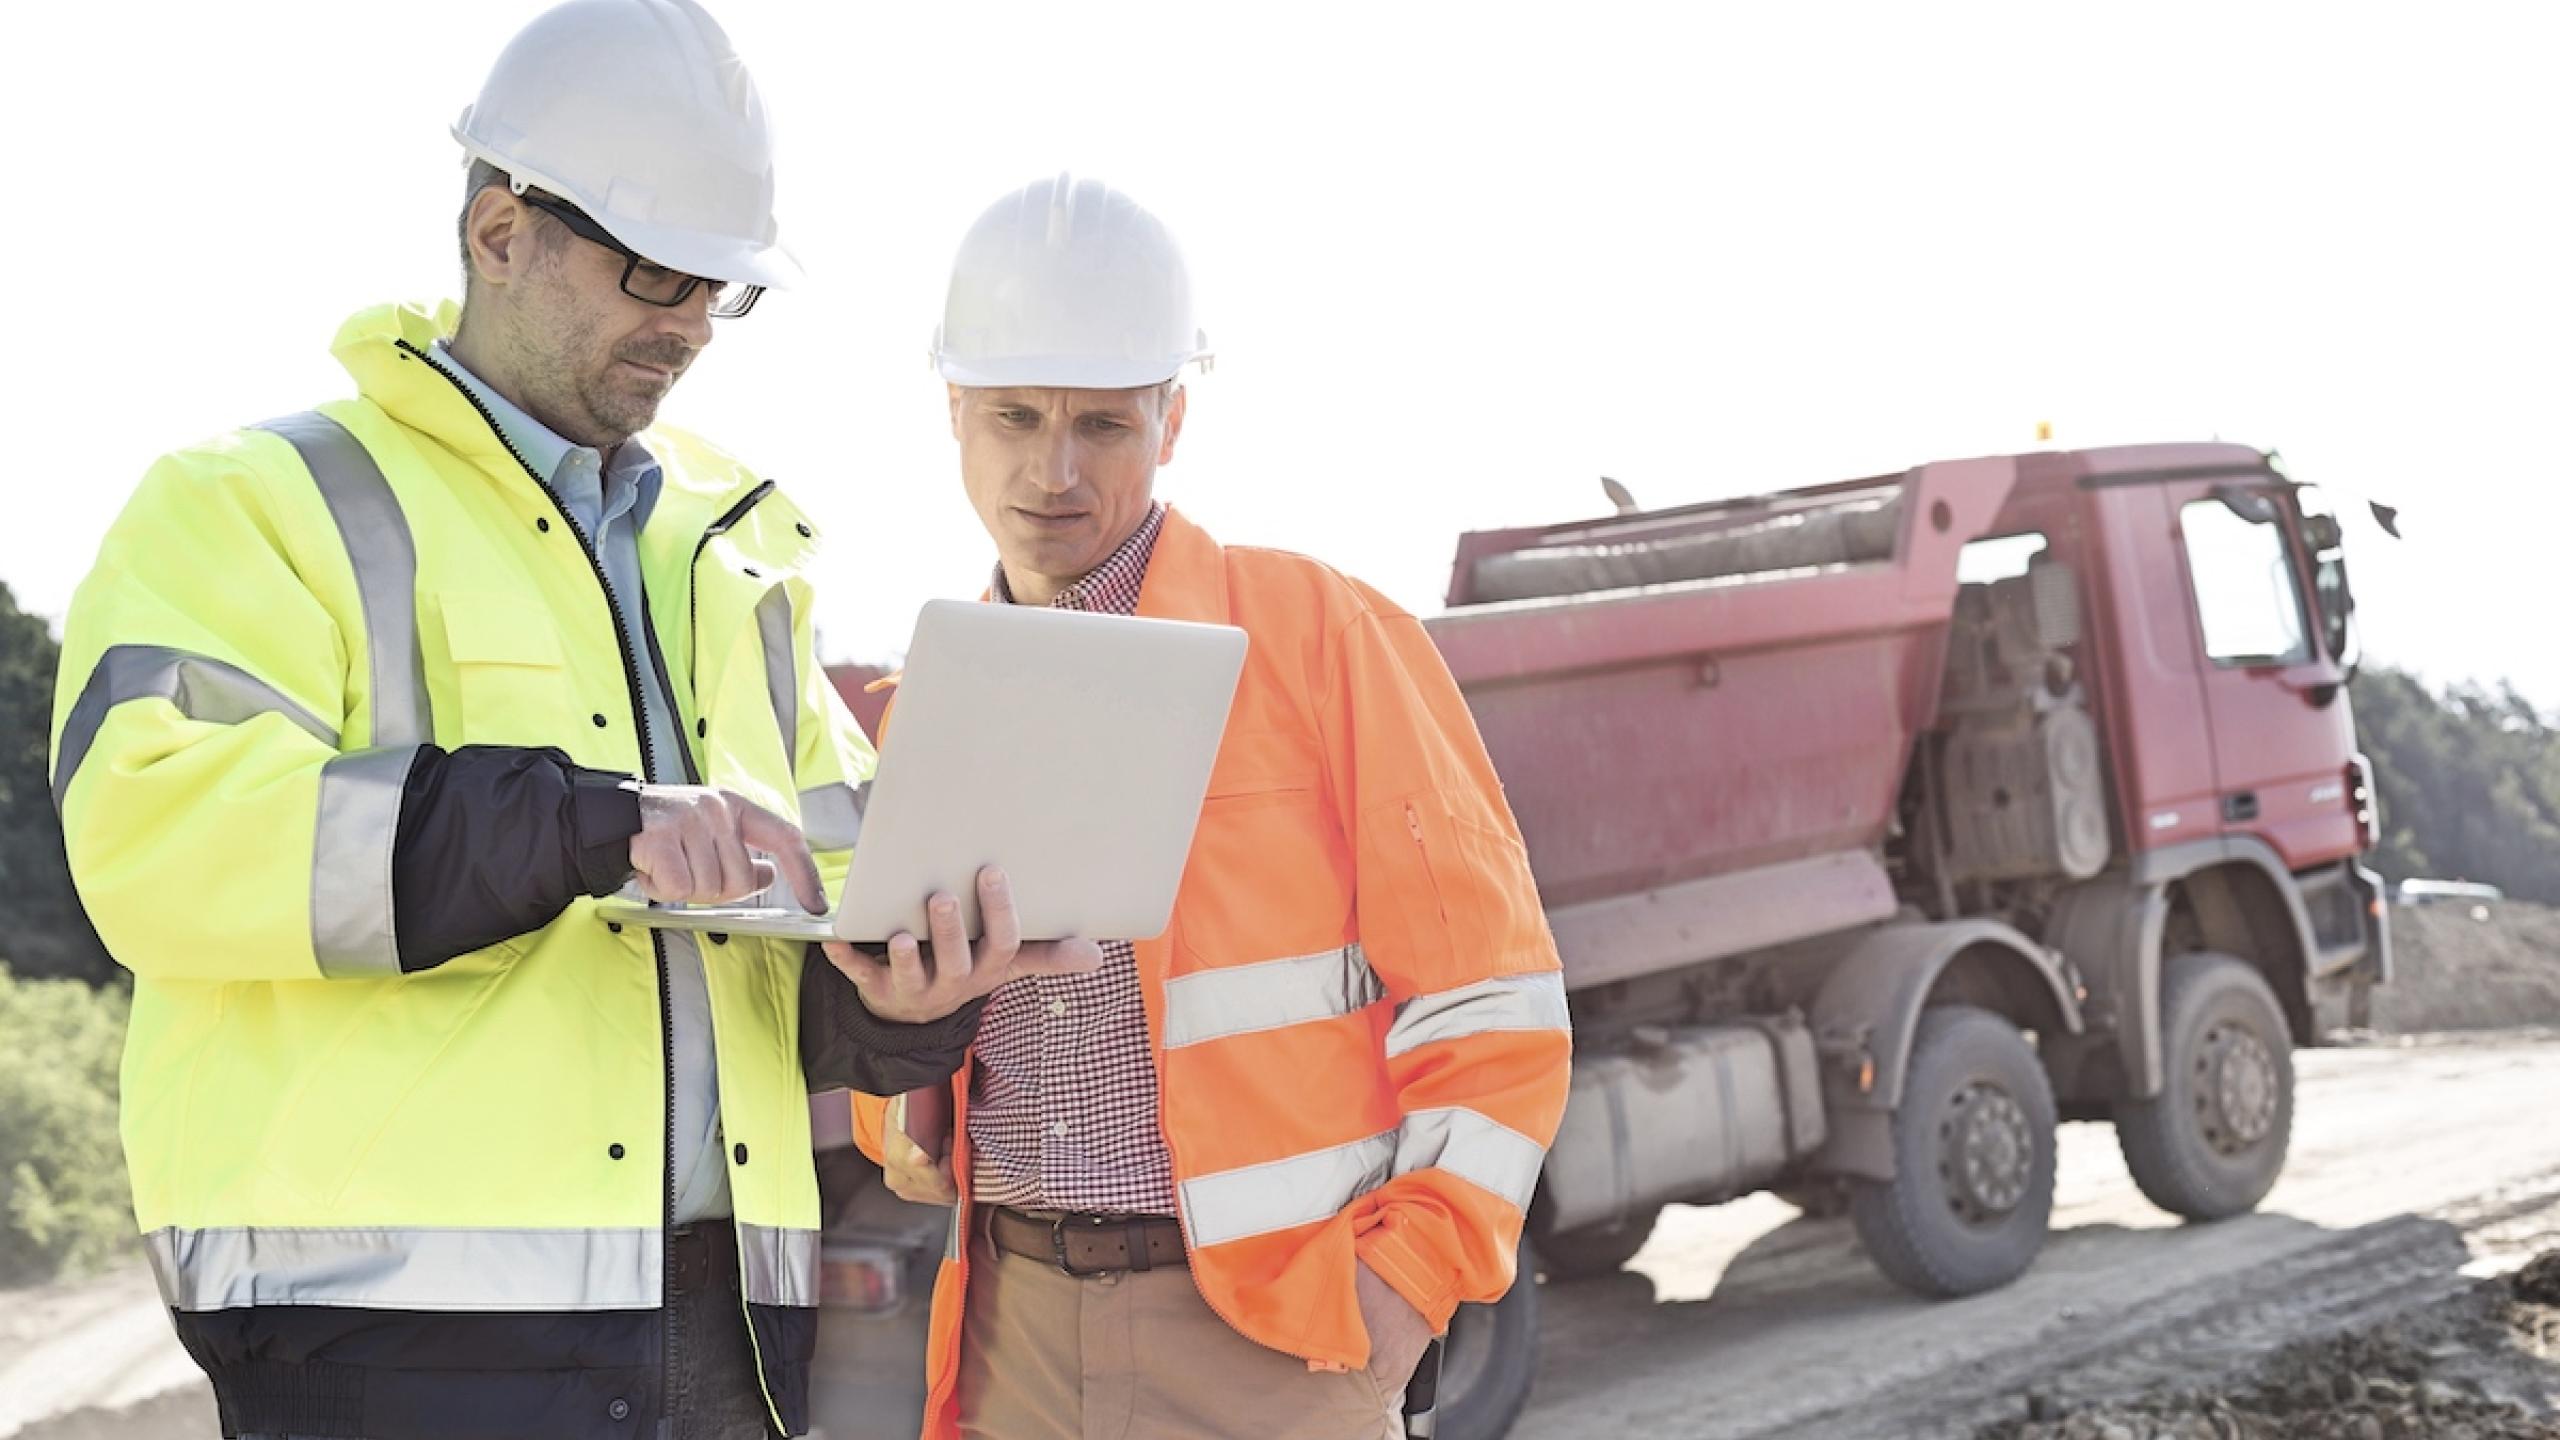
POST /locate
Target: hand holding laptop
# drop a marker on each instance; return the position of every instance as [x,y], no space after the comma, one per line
[910,986]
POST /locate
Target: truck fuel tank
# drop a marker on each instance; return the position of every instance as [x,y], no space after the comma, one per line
[1690,1113]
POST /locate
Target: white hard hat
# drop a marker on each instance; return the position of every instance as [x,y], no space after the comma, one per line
[1068,283]
[639,113]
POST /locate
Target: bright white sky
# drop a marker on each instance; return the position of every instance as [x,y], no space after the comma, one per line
[1458,261]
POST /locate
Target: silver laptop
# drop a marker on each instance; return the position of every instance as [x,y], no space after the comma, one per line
[1071,749]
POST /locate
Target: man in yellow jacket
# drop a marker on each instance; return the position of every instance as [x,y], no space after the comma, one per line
[359,709]
[1234,1181]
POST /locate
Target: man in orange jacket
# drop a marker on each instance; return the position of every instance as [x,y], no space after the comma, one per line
[1233,1182]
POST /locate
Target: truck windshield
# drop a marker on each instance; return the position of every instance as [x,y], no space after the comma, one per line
[2246,598]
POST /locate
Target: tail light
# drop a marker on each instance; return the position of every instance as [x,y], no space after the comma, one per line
[2360,800]
[867,1278]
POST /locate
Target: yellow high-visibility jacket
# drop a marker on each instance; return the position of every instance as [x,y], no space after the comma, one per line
[434,1201]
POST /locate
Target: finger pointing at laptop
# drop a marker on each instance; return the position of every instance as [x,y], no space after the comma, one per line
[702,846]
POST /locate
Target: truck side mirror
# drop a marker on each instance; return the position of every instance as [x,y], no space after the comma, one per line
[2253,505]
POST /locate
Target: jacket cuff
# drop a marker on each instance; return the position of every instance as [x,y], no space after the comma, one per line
[855,1022]
[1425,1283]
[604,813]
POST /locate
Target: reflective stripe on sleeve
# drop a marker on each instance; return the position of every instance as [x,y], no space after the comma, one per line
[1507,1002]
[1485,1153]
[1284,1194]
[1314,1187]
[205,689]
[352,933]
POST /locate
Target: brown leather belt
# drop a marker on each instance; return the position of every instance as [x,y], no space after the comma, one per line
[1088,1244]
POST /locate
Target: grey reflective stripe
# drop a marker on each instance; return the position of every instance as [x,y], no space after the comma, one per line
[351,929]
[376,535]
[1508,1002]
[831,815]
[408,1269]
[781,671]
[213,691]
[777,1266]
[1266,995]
[1313,1187]
[1284,1194]
[1481,1151]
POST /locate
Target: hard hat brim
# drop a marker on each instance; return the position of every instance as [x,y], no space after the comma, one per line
[728,258]
[714,257]
[1060,372]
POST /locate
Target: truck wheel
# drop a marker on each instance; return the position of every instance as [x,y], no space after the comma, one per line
[1581,1254]
[2212,1142]
[1489,1360]
[1973,1149]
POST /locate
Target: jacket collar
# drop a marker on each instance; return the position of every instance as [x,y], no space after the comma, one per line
[384,350]
[1187,575]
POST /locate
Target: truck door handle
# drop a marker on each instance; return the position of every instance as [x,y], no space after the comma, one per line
[2240,806]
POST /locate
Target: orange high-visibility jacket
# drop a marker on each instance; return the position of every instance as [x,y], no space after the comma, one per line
[1357,1015]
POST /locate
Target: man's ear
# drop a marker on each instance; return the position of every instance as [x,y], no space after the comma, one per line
[1173,413]
[499,233]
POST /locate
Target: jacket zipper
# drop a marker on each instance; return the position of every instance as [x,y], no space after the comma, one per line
[657,941]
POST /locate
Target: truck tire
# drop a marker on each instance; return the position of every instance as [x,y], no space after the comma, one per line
[1973,1146]
[1490,1359]
[2212,1142]
[1581,1254]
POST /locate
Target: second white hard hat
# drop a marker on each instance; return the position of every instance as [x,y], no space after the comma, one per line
[1068,283]
[641,114]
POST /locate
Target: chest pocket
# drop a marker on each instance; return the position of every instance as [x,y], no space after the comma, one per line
[1270,872]
[508,668]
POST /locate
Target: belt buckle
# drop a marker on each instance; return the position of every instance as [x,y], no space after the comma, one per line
[1133,1239]
[1058,1248]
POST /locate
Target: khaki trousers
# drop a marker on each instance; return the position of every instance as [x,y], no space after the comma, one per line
[1138,1355]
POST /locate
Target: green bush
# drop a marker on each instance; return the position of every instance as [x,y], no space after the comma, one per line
[64,1205]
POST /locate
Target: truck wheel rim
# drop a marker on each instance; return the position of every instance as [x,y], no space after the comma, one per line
[2236,1099]
[1988,1154]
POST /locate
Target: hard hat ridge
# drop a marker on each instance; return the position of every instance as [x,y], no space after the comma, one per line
[1072,284]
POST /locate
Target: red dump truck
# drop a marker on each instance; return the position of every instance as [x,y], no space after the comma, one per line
[1883,825]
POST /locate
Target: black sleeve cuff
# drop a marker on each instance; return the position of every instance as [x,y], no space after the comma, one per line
[603,813]
[843,1046]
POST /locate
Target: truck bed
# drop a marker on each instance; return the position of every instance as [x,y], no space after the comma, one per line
[1702,716]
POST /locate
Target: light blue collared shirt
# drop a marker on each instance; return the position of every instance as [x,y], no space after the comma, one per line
[610,501]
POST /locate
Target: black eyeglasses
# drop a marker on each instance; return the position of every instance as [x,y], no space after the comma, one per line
[643,279]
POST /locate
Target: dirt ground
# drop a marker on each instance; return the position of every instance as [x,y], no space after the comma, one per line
[2483,1364]
[2453,972]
